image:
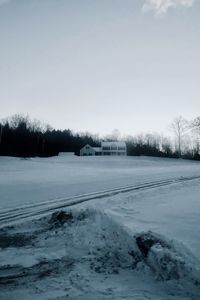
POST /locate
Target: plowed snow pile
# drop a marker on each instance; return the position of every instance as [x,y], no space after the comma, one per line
[86,254]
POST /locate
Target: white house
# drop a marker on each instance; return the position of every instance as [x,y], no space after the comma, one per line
[113,148]
[107,148]
[87,150]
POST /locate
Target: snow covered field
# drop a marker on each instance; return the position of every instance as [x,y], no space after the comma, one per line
[141,244]
[39,179]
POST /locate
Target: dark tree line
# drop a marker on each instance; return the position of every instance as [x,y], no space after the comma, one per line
[24,138]
[150,145]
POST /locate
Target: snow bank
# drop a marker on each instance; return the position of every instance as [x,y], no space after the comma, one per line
[90,242]
[110,247]
[105,242]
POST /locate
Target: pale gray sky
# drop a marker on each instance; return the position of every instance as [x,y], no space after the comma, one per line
[97,65]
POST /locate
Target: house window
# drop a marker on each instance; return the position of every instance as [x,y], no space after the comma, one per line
[121,148]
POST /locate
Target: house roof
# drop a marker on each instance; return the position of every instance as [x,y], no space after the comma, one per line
[87,145]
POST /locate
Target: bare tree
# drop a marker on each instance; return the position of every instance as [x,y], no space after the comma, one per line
[18,120]
[180,127]
[166,145]
[114,136]
[195,127]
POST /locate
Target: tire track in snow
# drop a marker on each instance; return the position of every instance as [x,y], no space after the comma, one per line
[10,216]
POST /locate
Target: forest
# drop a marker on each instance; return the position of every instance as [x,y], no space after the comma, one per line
[22,137]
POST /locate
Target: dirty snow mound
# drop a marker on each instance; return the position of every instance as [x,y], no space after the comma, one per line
[168,259]
[81,250]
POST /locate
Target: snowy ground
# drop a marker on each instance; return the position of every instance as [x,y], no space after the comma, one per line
[143,244]
[39,179]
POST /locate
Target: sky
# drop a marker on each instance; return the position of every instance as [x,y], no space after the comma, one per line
[97,65]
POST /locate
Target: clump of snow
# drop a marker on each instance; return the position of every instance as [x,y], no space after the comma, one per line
[166,259]
[59,218]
